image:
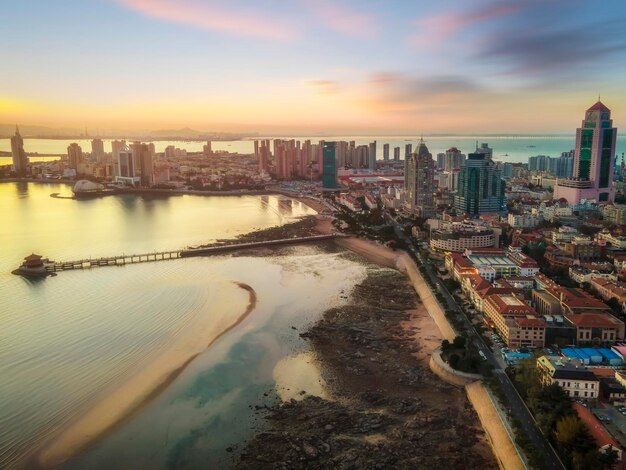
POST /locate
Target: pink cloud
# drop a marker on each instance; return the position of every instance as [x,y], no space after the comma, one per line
[438,27]
[342,19]
[212,15]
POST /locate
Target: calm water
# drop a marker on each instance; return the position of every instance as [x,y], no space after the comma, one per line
[67,340]
[519,149]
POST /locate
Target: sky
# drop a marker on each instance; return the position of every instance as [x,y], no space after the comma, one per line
[312,66]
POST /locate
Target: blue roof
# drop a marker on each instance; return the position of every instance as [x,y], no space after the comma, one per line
[608,354]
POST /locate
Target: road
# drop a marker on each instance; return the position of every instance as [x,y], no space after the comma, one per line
[516,405]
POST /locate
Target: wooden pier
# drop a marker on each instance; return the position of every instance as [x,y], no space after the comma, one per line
[54,266]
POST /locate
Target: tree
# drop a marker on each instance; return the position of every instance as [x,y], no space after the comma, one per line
[459,342]
[454,360]
[569,432]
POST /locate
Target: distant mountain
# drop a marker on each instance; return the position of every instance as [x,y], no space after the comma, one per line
[184,132]
[7,130]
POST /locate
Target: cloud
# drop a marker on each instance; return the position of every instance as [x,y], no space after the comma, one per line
[215,16]
[545,52]
[342,19]
[325,87]
[438,27]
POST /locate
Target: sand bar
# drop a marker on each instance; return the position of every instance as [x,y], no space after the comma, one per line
[147,383]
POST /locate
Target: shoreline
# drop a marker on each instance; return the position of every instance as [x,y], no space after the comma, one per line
[121,404]
[386,410]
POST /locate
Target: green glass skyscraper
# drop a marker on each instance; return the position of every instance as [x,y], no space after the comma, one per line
[481,189]
[329,165]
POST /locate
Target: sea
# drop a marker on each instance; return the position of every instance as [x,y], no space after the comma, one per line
[510,148]
[68,341]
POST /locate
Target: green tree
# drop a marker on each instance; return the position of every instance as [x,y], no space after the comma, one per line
[459,342]
[454,360]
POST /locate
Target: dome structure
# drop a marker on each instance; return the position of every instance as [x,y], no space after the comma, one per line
[86,186]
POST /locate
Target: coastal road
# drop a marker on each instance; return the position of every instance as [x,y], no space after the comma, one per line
[516,405]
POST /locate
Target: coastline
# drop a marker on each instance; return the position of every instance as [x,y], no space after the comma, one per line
[132,395]
[502,445]
[385,409]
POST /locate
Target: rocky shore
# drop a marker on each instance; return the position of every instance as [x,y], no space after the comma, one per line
[387,409]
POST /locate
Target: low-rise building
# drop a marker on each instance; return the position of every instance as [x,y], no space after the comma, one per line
[571,375]
[596,328]
[514,320]
[525,220]
[609,289]
[615,213]
[458,237]
[581,274]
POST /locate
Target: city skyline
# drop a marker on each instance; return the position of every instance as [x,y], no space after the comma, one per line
[463,67]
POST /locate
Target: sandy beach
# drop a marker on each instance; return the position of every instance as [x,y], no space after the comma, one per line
[120,403]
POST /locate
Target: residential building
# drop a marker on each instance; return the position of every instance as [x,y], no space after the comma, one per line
[420,181]
[615,213]
[453,159]
[459,236]
[524,220]
[19,158]
[515,321]
[597,328]
[144,165]
[74,156]
[570,374]
[593,159]
[97,151]
[609,289]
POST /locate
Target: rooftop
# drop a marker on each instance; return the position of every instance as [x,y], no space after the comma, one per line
[599,106]
[593,320]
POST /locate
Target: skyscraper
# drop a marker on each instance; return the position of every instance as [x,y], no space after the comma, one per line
[74,156]
[20,160]
[408,150]
[329,168]
[144,165]
[396,154]
[420,181]
[480,189]
[97,150]
[485,150]
[206,149]
[593,159]
[386,152]
[453,158]
[371,156]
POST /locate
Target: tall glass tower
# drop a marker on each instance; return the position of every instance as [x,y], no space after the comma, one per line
[329,165]
[593,159]
[481,189]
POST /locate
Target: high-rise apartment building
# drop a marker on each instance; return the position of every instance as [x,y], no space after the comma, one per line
[396,154]
[329,169]
[74,156]
[144,164]
[97,151]
[480,188]
[453,158]
[593,159]
[420,181]
[371,156]
[408,150]
[20,160]
[386,152]
[206,149]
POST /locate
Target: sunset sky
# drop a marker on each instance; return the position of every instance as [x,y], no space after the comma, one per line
[312,66]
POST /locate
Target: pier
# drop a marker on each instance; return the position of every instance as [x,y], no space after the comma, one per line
[122,260]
